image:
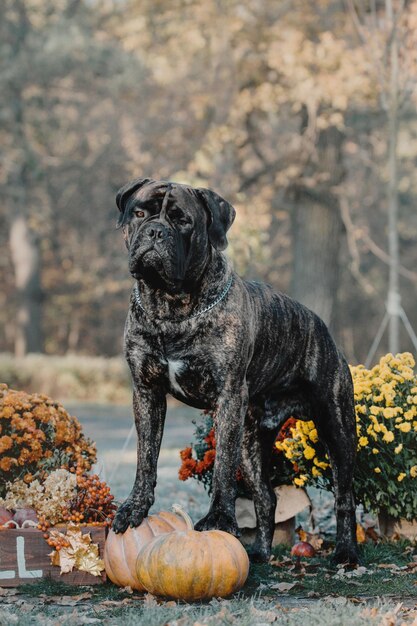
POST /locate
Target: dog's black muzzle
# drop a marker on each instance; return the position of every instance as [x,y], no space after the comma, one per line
[152,235]
[154,232]
[157,247]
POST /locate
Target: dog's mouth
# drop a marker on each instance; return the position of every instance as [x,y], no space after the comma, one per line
[159,270]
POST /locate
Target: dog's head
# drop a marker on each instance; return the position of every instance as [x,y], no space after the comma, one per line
[169,230]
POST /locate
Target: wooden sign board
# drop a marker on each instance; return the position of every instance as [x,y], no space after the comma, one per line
[24,558]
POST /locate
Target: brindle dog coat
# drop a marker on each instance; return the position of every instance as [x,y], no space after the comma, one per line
[213,340]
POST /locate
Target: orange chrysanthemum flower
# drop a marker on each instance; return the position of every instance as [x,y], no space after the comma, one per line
[39,436]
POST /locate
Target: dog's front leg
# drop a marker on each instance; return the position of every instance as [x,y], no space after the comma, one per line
[229,428]
[149,407]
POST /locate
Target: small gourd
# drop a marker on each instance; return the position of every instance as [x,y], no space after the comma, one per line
[190,565]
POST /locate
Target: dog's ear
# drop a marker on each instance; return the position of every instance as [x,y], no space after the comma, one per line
[221,215]
[124,194]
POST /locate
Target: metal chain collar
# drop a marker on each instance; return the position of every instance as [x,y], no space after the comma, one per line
[198,313]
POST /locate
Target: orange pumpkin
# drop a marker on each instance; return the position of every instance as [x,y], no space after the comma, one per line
[190,565]
[121,550]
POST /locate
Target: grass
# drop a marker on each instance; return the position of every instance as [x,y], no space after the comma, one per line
[242,612]
[77,377]
[320,596]
[318,577]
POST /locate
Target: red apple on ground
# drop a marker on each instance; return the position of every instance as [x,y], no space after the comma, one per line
[302,549]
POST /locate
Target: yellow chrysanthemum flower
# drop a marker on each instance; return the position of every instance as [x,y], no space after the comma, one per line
[309,452]
[363,441]
[408,359]
[388,437]
[377,470]
[408,415]
[320,464]
[413,471]
[375,451]
[313,435]
[401,477]
[361,408]
[383,428]
[301,480]
[405,427]
[398,448]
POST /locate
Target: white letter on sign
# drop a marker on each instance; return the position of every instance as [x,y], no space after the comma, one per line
[7,574]
[21,563]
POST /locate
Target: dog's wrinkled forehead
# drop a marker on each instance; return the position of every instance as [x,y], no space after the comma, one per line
[182,195]
[152,191]
[155,191]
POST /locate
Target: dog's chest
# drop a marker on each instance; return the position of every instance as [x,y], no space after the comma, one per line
[179,362]
[191,378]
[176,367]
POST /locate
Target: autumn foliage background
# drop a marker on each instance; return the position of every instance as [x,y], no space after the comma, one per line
[278,106]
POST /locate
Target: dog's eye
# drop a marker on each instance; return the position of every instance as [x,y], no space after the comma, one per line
[139,213]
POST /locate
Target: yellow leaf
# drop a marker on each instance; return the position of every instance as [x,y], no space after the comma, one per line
[89,561]
[81,553]
[66,560]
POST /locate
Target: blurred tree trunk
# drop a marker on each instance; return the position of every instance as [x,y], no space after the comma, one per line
[317,229]
[23,242]
[25,254]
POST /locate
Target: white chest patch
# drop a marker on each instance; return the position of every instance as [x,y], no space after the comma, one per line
[174,368]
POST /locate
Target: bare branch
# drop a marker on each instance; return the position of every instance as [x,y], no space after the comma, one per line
[383,256]
[353,248]
[369,40]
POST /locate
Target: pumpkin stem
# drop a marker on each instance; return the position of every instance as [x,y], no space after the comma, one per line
[177,508]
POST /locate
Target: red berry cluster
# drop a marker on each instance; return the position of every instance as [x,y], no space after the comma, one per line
[57,542]
[93,503]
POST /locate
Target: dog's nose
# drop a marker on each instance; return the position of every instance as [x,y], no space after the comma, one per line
[155,231]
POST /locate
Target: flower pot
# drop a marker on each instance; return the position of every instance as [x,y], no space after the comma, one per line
[290,501]
[393,527]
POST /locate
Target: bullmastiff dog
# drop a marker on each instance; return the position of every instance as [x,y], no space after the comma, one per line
[198,331]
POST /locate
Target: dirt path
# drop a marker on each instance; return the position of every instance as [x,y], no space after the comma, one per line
[109,426]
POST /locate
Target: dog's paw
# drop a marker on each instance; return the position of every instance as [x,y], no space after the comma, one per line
[128,515]
[122,517]
[137,516]
[217,520]
[345,553]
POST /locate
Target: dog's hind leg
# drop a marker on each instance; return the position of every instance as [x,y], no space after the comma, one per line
[262,425]
[336,426]
[255,474]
